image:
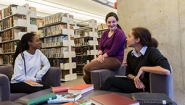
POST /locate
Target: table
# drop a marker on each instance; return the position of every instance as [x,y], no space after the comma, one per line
[23,100]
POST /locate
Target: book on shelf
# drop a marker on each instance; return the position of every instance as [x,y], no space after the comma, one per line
[9,47]
[55,29]
[152,98]
[112,99]
[41,99]
[40,22]
[102,26]
[65,97]
[1,60]
[7,59]
[81,89]
[33,83]
[58,17]
[7,11]
[59,89]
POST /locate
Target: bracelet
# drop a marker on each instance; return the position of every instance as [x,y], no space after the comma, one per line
[133,77]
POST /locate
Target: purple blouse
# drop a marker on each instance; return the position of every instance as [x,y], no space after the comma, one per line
[114,46]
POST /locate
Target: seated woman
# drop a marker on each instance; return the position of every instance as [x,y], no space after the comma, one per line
[145,58]
[27,65]
[111,48]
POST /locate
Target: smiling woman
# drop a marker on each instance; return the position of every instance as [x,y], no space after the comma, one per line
[111,48]
[144,59]
[27,65]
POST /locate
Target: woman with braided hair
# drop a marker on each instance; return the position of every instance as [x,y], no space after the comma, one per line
[27,63]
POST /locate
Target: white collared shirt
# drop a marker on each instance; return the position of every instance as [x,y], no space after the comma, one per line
[141,52]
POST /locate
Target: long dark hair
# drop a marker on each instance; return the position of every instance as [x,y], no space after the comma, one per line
[115,16]
[145,37]
[23,45]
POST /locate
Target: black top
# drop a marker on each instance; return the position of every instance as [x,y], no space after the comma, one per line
[152,57]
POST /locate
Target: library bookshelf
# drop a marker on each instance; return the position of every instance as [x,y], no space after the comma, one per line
[57,38]
[15,21]
[85,43]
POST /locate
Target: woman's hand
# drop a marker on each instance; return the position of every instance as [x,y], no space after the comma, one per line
[100,58]
[138,83]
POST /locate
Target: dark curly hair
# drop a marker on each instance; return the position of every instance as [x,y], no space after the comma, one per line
[145,37]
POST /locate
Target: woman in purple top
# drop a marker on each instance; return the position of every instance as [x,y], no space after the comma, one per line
[111,48]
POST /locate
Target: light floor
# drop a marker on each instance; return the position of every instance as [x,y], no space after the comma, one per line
[179,95]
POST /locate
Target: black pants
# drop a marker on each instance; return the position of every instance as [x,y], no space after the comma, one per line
[124,85]
[25,88]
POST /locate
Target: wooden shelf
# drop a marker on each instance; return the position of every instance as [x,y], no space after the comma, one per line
[10,41]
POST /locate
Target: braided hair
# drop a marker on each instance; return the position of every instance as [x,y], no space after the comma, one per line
[23,45]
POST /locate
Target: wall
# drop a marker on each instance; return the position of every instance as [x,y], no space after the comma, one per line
[166,21]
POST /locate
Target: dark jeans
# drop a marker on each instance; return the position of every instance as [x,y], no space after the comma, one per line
[25,88]
[117,84]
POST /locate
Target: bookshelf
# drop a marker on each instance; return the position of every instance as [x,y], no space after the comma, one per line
[86,43]
[57,38]
[15,21]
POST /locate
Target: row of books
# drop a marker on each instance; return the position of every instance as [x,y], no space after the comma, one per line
[12,34]
[81,60]
[8,11]
[9,47]
[14,9]
[102,26]
[60,29]
[83,50]
[40,22]
[53,30]
[85,41]
[83,32]
[7,59]
[13,21]
[57,44]
[57,41]
[56,52]
[58,17]
[56,62]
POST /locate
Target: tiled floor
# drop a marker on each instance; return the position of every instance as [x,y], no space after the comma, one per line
[179,95]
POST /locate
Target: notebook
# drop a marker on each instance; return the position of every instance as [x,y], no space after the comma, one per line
[33,83]
[152,98]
